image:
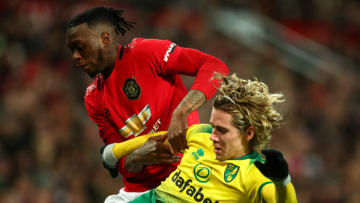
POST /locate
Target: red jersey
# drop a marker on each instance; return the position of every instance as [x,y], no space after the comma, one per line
[141,93]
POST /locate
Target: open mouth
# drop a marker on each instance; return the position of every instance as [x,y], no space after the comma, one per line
[217,150]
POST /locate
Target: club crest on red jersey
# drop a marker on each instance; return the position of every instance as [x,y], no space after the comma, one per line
[131,89]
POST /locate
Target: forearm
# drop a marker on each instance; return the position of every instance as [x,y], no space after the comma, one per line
[278,193]
[276,169]
[144,155]
[133,164]
[124,148]
[113,152]
[192,101]
[285,194]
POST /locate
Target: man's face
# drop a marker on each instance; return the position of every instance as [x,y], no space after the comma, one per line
[228,141]
[86,49]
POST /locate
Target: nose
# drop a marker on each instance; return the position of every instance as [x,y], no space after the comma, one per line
[76,56]
[214,138]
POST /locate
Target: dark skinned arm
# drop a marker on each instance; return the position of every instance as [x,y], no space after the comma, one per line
[178,124]
[154,151]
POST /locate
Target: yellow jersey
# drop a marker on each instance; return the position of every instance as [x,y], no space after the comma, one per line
[200,177]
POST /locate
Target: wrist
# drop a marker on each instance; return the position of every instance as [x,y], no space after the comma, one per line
[283,182]
[108,156]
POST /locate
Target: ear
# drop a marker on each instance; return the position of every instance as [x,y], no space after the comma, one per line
[105,39]
[250,133]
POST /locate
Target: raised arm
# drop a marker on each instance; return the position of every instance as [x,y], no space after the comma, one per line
[276,169]
[170,59]
[202,66]
[178,124]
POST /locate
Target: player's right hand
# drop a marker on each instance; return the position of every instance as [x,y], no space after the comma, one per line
[154,151]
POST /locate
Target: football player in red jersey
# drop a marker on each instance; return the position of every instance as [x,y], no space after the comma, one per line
[137,89]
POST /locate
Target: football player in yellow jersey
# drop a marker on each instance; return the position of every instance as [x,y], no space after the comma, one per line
[222,162]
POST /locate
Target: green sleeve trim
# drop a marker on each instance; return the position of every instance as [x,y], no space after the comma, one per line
[260,189]
[203,128]
[198,128]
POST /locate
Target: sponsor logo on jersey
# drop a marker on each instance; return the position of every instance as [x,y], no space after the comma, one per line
[90,88]
[136,123]
[198,153]
[131,89]
[230,172]
[170,50]
[191,191]
[202,173]
[156,126]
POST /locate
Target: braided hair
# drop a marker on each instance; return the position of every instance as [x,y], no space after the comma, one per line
[102,15]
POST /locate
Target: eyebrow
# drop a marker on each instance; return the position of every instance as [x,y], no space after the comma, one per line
[218,127]
[73,43]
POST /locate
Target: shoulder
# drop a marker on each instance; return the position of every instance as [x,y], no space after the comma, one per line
[142,44]
[200,128]
[134,43]
[254,178]
[92,90]
[146,41]
[250,172]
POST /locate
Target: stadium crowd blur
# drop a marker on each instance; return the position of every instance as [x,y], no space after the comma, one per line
[49,148]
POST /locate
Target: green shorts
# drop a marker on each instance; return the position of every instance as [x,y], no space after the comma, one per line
[156,196]
[147,197]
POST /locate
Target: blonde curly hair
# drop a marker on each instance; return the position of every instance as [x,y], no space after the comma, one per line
[250,104]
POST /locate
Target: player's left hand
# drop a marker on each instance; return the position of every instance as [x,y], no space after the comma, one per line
[177,132]
[275,167]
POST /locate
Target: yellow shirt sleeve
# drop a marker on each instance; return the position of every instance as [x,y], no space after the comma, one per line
[274,193]
[262,189]
[124,148]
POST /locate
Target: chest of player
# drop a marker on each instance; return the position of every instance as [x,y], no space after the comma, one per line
[207,179]
[135,100]
[216,180]
[201,174]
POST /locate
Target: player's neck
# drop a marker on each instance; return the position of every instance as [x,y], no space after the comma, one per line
[107,72]
[112,59]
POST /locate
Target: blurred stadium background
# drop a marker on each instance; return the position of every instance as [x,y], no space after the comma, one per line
[307,49]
